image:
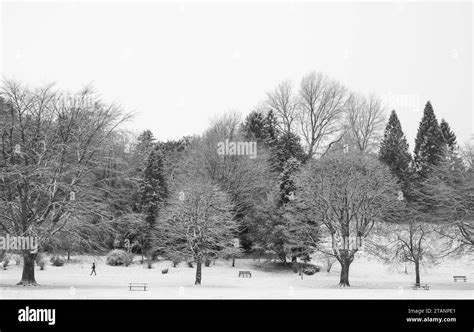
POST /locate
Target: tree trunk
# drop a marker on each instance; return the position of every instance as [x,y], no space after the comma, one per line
[345,262]
[233,262]
[329,265]
[28,275]
[294,264]
[68,255]
[198,271]
[417,273]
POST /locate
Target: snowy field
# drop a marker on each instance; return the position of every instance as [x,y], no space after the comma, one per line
[369,280]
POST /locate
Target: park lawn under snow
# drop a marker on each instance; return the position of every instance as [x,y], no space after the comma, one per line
[369,280]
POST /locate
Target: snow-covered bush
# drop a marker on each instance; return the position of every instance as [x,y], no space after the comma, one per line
[175,259]
[294,268]
[119,257]
[39,258]
[310,270]
[56,261]
[17,259]
[40,261]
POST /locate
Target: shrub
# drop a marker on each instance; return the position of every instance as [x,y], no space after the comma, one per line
[119,257]
[164,271]
[294,268]
[40,260]
[207,262]
[175,259]
[310,270]
[190,264]
[57,261]
[17,259]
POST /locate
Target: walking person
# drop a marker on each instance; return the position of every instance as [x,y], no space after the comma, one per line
[93,269]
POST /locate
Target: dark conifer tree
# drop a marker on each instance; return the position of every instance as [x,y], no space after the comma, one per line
[253,127]
[152,194]
[270,128]
[430,144]
[448,134]
[394,150]
[287,180]
[285,147]
[145,144]
[153,190]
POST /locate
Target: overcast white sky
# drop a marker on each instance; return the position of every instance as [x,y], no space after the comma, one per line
[179,64]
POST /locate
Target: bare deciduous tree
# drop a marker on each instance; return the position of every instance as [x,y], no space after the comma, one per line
[364,121]
[200,225]
[284,103]
[411,241]
[412,244]
[349,193]
[50,154]
[448,200]
[321,107]
[245,180]
[467,153]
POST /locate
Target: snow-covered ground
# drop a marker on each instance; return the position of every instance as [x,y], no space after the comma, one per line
[369,280]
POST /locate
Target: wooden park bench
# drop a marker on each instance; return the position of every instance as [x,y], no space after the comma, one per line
[463,278]
[245,274]
[424,286]
[137,285]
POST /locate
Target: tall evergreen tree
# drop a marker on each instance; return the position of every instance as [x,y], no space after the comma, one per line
[260,127]
[448,134]
[287,180]
[283,231]
[253,127]
[145,143]
[394,150]
[270,128]
[146,139]
[452,157]
[429,143]
[285,147]
[152,193]
[153,189]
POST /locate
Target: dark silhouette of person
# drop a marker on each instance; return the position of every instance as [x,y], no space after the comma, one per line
[93,269]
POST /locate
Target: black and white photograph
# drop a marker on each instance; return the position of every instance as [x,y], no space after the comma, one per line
[218,159]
